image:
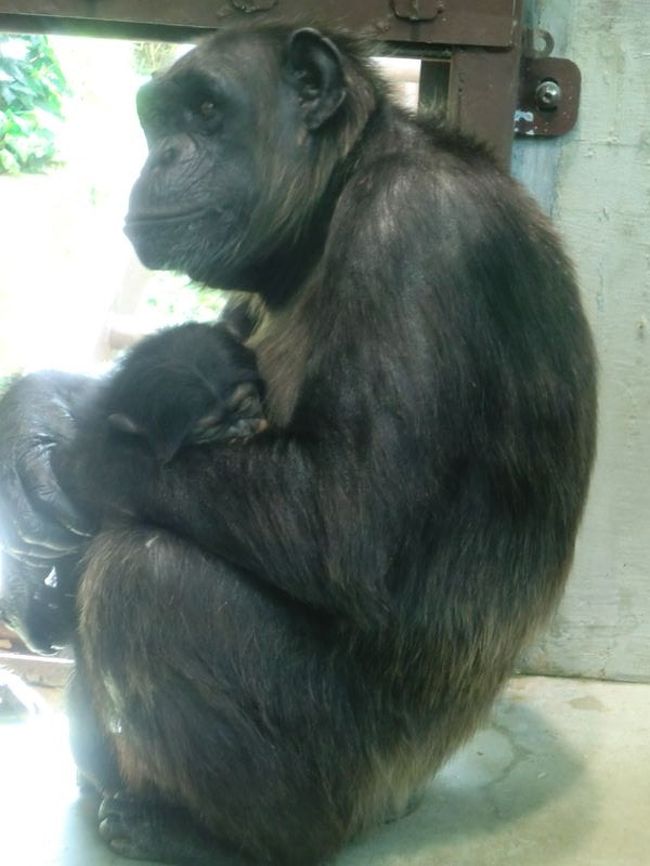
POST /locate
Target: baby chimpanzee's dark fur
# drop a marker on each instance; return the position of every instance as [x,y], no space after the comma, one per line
[281,638]
[187,385]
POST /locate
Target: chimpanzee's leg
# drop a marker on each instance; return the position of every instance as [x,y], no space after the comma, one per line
[92,748]
[230,718]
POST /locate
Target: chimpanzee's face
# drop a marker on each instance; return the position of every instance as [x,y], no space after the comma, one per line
[194,198]
[232,132]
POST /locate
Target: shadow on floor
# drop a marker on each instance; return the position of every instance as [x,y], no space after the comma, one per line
[558,778]
[508,772]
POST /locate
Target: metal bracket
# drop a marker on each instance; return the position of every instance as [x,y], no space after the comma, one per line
[417,10]
[549,91]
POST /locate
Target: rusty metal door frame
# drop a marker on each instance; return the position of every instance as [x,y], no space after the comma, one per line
[477,41]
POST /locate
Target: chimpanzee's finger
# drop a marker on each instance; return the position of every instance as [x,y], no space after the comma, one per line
[43,490]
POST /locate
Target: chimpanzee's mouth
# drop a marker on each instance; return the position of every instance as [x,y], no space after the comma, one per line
[143,217]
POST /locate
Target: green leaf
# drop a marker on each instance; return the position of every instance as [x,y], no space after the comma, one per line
[31,88]
[8,163]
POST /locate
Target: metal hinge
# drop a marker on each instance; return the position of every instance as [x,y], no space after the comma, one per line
[549,89]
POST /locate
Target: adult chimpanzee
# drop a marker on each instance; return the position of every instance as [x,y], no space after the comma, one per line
[284,637]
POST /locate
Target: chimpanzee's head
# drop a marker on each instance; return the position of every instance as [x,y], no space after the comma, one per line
[245,133]
[192,384]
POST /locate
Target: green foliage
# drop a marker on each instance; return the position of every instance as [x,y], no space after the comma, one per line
[150,57]
[31,89]
[175,300]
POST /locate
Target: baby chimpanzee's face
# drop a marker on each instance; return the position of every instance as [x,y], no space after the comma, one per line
[190,385]
[239,416]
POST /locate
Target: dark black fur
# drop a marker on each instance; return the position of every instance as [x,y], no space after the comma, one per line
[189,385]
[284,637]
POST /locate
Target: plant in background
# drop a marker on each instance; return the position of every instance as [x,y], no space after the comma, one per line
[31,89]
[150,57]
[174,300]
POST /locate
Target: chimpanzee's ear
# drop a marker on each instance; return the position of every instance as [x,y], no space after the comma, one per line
[316,70]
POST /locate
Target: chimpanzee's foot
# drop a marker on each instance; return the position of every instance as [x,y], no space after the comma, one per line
[142,830]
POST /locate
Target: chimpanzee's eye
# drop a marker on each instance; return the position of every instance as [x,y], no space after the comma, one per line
[204,112]
[207,109]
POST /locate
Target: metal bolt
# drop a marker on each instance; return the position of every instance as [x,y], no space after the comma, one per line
[548,95]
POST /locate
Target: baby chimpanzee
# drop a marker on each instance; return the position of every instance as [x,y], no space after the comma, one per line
[188,385]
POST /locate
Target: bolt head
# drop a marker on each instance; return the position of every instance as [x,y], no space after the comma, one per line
[548,95]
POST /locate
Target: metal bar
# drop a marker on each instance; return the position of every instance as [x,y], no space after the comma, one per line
[95,28]
[484,23]
[483,95]
[483,91]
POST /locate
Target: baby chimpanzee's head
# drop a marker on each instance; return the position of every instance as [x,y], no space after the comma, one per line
[188,385]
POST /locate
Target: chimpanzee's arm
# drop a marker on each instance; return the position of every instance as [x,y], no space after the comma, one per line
[321,508]
[297,514]
[303,509]
[38,522]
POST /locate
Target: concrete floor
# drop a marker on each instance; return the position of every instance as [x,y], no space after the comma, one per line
[561,777]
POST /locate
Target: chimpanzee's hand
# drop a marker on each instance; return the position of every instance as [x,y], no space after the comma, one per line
[37,520]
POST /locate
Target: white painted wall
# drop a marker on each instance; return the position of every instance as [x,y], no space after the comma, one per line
[596,184]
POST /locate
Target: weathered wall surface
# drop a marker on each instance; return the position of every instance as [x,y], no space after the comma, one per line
[596,184]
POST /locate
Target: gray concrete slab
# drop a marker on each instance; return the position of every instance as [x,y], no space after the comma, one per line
[560,777]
